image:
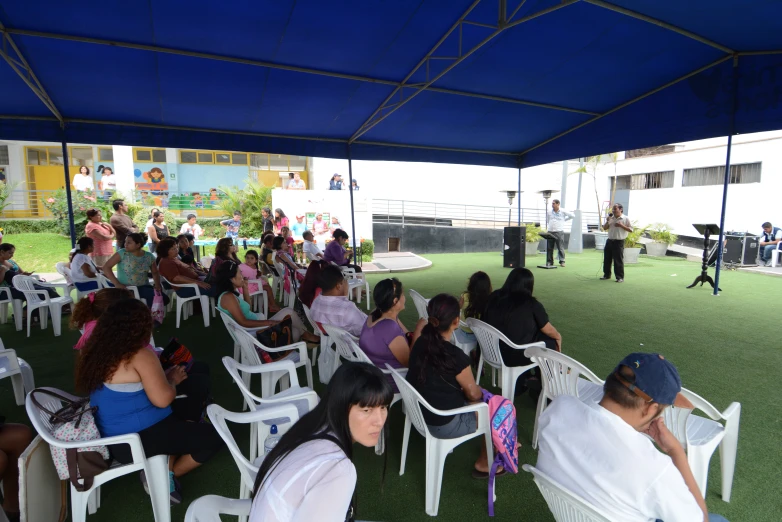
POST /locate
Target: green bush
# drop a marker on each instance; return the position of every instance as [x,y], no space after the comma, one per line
[533,233]
[633,238]
[661,233]
[57,204]
[367,250]
[250,201]
[29,226]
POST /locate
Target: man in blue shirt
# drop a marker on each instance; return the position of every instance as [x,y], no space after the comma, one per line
[336,182]
[769,242]
[232,225]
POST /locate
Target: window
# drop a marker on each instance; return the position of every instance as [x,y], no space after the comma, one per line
[55,155]
[223,158]
[298,163]
[105,154]
[149,155]
[259,161]
[188,156]
[745,173]
[650,151]
[206,157]
[650,180]
[239,158]
[37,156]
[3,154]
[81,156]
[278,162]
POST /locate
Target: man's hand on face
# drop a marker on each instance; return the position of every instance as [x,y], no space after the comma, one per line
[663,437]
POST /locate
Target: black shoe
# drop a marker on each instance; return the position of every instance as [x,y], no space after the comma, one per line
[605,278]
[549,264]
[620,280]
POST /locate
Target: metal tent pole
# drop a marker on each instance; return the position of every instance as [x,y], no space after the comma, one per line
[71,225]
[518,195]
[726,181]
[352,210]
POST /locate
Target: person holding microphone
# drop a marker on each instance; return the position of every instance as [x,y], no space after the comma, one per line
[618,227]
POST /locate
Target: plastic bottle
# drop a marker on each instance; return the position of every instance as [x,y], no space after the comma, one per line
[271,440]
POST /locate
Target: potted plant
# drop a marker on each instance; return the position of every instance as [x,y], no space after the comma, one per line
[662,237]
[532,239]
[633,244]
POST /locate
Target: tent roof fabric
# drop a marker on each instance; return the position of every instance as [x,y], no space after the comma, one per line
[512,83]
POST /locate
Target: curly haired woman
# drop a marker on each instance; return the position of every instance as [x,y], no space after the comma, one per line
[133,395]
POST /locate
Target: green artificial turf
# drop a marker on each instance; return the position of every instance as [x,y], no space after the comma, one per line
[727,349]
[39,252]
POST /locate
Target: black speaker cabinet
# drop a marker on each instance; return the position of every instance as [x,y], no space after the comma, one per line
[741,250]
[513,246]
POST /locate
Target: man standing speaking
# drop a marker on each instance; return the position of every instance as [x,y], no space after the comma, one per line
[556,227]
[618,227]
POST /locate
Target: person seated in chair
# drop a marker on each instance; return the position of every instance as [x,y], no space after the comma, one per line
[133,394]
[333,307]
[337,253]
[250,269]
[311,251]
[83,270]
[442,374]
[228,281]
[769,242]
[603,452]
[175,271]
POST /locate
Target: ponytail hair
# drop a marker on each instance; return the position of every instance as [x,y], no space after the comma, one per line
[386,294]
[92,306]
[443,309]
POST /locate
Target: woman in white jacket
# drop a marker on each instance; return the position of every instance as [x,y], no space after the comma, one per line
[309,474]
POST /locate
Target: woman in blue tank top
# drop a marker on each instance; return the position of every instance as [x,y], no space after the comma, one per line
[133,395]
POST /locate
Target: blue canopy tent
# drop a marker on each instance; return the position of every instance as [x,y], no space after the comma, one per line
[509,83]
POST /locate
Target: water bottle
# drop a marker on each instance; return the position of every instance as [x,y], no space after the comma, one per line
[271,440]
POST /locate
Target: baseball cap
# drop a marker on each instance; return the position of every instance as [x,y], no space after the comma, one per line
[656,379]
[299,216]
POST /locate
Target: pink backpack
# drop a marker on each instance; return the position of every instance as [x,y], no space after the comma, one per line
[504,436]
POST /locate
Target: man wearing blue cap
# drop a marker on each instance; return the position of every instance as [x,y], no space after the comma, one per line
[601,452]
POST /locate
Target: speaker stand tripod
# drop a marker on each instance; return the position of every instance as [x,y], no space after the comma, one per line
[706,230]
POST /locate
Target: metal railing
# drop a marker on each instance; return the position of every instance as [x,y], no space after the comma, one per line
[26,203]
[403,212]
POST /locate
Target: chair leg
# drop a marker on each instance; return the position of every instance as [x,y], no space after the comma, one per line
[699,464]
[310,382]
[479,370]
[728,448]
[56,312]
[93,501]
[17,308]
[17,381]
[157,480]
[435,462]
[178,312]
[79,503]
[538,412]
[4,313]
[205,309]
[29,319]
[43,316]
[405,440]
[508,381]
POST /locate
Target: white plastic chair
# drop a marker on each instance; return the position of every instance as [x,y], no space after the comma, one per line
[6,300]
[206,261]
[227,319]
[155,468]
[489,340]
[436,449]
[565,505]
[182,301]
[259,298]
[19,371]
[249,344]
[356,281]
[421,306]
[65,272]
[282,415]
[209,508]
[561,375]
[775,255]
[700,436]
[103,282]
[39,299]
[324,338]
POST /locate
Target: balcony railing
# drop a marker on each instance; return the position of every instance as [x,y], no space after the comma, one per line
[402,212]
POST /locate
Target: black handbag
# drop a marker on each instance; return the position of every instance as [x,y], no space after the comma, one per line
[281,334]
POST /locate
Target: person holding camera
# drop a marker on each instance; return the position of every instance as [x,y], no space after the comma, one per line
[618,227]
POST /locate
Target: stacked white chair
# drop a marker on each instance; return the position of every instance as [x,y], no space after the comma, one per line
[489,341]
[184,305]
[562,375]
[19,371]
[700,436]
[436,449]
[209,508]
[40,300]
[565,505]
[155,468]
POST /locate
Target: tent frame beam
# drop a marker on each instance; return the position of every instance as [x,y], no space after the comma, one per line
[22,68]
[384,110]
[273,65]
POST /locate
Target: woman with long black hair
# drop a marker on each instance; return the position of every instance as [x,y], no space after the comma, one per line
[442,374]
[309,475]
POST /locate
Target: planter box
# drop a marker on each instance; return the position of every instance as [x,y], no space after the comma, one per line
[531,248]
[631,255]
[600,240]
[656,249]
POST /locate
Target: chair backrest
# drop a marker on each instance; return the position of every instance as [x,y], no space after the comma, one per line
[412,401]
[489,340]
[206,261]
[209,508]
[346,346]
[9,362]
[40,419]
[27,284]
[219,415]
[420,303]
[565,505]
[676,418]
[308,314]
[65,271]
[560,373]
[245,339]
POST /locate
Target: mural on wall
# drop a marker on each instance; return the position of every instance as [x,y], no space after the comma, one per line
[153,180]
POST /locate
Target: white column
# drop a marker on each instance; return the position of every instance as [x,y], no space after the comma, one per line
[123,170]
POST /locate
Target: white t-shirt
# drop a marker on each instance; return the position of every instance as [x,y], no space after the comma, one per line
[82,182]
[618,232]
[311,250]
[313,482]
[195,230]
[109,182]
[599,457]
[77,273]
[294,185]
